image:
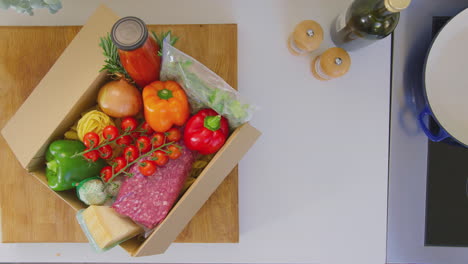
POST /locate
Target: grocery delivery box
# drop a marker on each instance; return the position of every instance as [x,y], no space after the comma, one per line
[69,88]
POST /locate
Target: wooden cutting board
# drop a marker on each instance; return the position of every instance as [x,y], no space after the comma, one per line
[29,211]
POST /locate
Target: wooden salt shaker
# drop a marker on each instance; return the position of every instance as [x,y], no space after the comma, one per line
[307,37]
[331,64]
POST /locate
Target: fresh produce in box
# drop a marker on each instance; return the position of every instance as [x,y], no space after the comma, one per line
[131,153]
[124,141]
[160,157]
[129,124]
[119,165]
[105,152]
[158,139]
[206,132]
[91,140]
[65,169]
[130,131]
[110,133]
[144,144]
[106,173]
[165,105]
[173,134]
[91,191]
[112,188]
[147,167]
[173,152]
[150,162]
[119,99]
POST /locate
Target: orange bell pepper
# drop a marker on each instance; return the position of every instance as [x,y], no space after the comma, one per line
[165,105]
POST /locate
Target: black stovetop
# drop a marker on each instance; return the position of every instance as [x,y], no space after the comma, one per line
[447,200]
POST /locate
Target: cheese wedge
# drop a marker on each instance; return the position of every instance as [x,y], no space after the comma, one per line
[107,227]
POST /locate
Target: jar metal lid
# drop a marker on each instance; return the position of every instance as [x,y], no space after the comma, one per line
[129,33]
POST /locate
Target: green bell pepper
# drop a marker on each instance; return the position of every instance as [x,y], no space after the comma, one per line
[64,170]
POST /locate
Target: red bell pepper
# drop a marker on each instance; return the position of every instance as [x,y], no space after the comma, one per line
[206,132]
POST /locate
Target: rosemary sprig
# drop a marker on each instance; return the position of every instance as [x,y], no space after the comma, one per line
[160,39]
[112,62]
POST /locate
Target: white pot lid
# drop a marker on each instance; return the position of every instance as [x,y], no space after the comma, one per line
[446,77]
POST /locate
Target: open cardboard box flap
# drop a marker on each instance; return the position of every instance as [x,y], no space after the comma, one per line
[55,102]
[69,88]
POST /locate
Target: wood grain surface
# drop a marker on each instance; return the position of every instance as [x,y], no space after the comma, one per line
[32,213]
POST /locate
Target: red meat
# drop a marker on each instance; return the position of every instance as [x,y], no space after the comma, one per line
[148,199]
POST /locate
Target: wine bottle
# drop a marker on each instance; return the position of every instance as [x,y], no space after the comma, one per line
[365,22]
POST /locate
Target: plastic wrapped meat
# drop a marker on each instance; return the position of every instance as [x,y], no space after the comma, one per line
[148,199]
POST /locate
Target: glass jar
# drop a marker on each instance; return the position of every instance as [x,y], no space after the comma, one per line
[137,50]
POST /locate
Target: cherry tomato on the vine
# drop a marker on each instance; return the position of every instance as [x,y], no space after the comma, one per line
[147,129]
[120,163]
[135,135]
[105,151]
[144,144]
[92,155]
[173,134]
[160,157]
[147,167]
[106,173]
[125,140]
[131,153]
[174,152]
[128,124]
[91,140]
[110,132]
[157,140]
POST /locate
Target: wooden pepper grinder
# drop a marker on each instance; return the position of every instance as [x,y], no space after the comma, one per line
[333,63]
[307,37]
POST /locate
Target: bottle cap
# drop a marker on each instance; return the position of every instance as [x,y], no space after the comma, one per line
[396,5]
[129,33]
[333,63]
[307,36]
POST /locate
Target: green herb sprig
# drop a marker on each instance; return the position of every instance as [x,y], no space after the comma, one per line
[160,39]
[112,62]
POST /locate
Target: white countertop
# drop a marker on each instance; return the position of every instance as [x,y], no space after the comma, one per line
[314,187]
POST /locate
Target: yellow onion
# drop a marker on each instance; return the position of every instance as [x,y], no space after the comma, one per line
[119,99]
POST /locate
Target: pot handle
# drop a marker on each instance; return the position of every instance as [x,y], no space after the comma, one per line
[425,127]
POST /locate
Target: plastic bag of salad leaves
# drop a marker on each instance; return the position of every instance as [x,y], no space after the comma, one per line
[204,88]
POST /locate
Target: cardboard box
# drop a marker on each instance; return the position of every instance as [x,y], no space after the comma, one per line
[69,88]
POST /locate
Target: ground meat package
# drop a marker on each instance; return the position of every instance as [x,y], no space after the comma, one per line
[148,199]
